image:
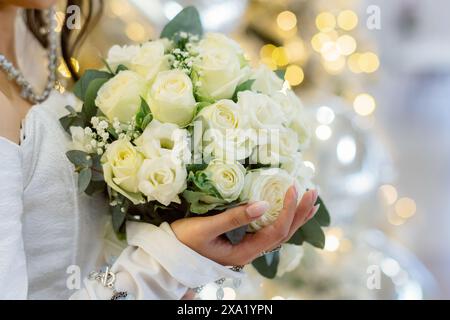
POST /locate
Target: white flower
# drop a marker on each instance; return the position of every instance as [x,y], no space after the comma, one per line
[302,127]
[219,67]
[121,163]
[280,145]
[147,60]
[263,112]
[81,140]
[120,97]
[266,81]
[268,185]
[290,257]
[162,179]
[171,98]
[227,134]
[296,167]
[160,139]
[227,177]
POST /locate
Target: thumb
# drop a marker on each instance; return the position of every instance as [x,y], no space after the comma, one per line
[236,217]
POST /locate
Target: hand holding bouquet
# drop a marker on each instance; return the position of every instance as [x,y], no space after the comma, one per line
[183,126]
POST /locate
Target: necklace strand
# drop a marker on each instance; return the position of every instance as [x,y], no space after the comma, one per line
[27,92]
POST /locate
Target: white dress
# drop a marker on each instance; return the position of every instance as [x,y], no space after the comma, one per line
[52,237]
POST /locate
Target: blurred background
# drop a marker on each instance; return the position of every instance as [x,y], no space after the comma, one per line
[375,78]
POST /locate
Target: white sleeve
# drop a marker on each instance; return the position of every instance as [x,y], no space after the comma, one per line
[156,265]
[13,269]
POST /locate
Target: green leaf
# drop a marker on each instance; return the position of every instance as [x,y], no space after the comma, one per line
[267,268]
[107,66]
[322,216]
[97,169]
[121,67]
[118,218]
[82,85]
[89,107]
[311,232]
[79,158]
[197,202]
[143,116]
[95,186]
[244,86]
[201,181]
[188,20]
[84,178]
[196,167]
[280,73]
[72,120]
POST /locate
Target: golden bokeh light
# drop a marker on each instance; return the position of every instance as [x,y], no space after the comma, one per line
[294,75]
[318,40]
[353,63]
[119,7]
[405,207]
[135,31]
[266,51]
[330,51]
[394,219]
[268,61]
[286,20]
[347,20]
[388,193]
[325,21]
[346,45]
[280,56]
[368,62]
[364,104]
[296,51]
[334,67]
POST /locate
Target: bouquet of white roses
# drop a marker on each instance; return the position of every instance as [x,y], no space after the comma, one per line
[183,126]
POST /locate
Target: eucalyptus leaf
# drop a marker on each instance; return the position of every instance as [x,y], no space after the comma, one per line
[118,218]
[280,73]
[72,120]
[84,178]
[79,158]
[94,187]
[265,269]
[196,202]
[188,20]
[82,85]
[311,232]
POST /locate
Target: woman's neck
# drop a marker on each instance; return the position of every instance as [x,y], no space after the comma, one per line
[7,23]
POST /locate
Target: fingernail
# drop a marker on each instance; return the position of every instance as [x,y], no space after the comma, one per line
[315,196]
[315,209]
[257,209]
[295,191]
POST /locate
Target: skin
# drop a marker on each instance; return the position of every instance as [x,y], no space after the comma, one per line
[201,234]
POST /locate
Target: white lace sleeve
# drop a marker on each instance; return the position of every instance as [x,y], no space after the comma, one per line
[13,269]
[156,265]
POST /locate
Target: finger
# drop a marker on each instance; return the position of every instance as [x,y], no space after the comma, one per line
[269,237]
[305,211]
[234,218]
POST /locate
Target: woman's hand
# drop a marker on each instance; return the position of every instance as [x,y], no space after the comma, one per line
[203,234]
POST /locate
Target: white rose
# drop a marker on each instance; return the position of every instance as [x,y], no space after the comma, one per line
[227,177]
[266,81]
[296,167]
[219,67]
[301,125]
[121,163]
[120,97]
[227,134]
[81,140]
[171,98]
[263,112]
[147,59]
[290,257]
[162,179]
[159,139]
[281,145]
[268,185]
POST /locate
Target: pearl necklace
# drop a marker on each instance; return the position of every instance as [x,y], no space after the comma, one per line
[15,75]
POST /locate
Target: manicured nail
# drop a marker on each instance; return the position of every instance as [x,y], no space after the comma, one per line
[295,191]
[314,211]
[257,209]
